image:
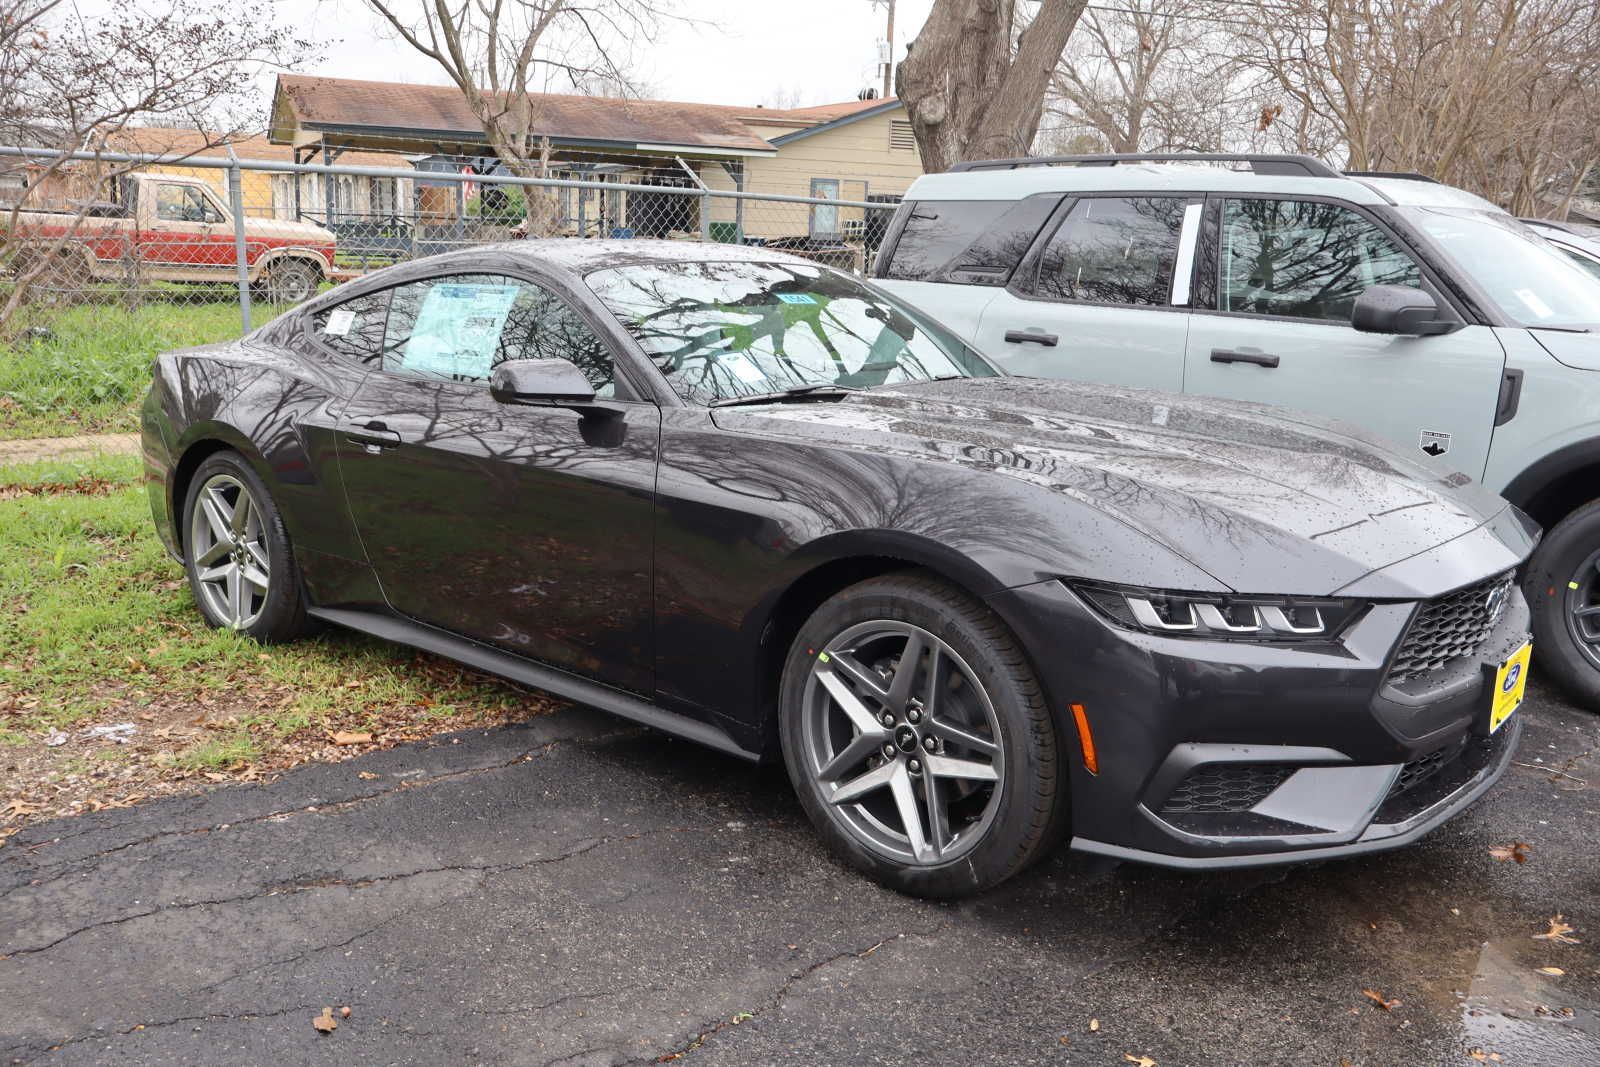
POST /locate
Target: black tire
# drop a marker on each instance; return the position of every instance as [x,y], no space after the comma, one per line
[280,613]
[1562,577]
[1025,812]
[289,281]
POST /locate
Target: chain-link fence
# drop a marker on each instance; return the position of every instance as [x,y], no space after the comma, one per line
[113,258]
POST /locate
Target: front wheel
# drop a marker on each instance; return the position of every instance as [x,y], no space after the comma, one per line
[290,281]
[1563,590]
[237,555]
[918,740]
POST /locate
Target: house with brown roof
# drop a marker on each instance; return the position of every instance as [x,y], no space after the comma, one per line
[858,150]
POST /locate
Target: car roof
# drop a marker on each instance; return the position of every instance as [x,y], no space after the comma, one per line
[1014,184]
[582,256]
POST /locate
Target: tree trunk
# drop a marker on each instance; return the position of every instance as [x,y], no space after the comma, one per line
[968,95]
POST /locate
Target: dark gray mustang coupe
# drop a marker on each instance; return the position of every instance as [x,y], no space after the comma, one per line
[756,503]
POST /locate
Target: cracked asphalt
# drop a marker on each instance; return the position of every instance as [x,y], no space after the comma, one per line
[577,891]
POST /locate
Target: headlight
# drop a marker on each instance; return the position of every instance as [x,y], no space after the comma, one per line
[1236,616]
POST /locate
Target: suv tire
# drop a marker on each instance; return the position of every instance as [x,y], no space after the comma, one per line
[1563,578]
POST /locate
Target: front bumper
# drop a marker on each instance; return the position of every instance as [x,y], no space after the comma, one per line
[1227,754]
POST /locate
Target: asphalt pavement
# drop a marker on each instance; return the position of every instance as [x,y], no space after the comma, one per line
[578,891]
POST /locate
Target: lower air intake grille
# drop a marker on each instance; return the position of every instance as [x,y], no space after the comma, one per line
[1225,787]
[1450,627]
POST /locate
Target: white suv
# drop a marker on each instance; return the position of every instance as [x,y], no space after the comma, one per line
[1420,311]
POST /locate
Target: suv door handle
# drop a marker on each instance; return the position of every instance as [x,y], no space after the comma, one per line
[1031,336]
[374,436]
[1228,355]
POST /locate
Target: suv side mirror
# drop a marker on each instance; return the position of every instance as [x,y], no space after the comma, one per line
[556,382]
[1399,310]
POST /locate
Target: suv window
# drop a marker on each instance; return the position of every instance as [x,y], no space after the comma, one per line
[1303,259]
[354,327]
[1114,250]
[459,326]
[973,242]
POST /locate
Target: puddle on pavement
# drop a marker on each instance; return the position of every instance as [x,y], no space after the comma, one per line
[1527,1017]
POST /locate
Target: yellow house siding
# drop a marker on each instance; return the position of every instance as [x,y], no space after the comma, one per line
[856,155]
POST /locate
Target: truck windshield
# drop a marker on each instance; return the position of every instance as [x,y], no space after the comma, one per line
[1527,277]
[720,331]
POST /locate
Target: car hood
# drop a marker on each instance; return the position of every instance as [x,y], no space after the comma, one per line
[1580,351]
[287,230]
[1263,501]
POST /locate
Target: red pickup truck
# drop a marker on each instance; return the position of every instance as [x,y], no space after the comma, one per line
[174,229]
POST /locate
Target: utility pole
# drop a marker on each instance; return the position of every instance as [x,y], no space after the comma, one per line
[888,51]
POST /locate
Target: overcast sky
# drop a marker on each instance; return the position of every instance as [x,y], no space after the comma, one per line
[736,52]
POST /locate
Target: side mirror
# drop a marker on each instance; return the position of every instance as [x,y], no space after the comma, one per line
[556,382]
[1399,310]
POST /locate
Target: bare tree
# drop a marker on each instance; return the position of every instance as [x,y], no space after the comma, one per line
[1498,96]
[69,84]
[974,86]
[502,54]
[1151,75]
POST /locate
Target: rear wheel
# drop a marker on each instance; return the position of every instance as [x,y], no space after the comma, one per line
[1563,590]
[237,554]
[918,740]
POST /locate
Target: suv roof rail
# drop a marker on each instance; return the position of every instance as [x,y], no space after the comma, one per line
[1409,175]
[1269,163]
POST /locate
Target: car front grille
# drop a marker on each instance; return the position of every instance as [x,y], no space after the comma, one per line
[1225,787]
[1451,627]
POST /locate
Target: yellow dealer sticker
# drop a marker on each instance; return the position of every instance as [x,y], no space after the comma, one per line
[1510,683]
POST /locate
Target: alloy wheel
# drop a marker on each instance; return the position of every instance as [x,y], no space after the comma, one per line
[902,742]
[1583,609]
[227,542]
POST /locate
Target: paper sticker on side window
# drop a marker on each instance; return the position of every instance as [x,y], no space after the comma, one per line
[458,329]
[339,322]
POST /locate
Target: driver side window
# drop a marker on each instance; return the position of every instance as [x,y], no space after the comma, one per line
[458,327]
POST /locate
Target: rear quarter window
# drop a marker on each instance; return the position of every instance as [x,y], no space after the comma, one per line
[968,242]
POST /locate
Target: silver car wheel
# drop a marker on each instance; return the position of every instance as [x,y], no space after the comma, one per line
[902,743]
[227,543]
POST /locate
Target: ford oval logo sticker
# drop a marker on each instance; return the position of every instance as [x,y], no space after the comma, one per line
[1511,678]
[1495,602]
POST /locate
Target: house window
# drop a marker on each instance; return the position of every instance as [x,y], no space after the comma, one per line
[901,136]
[283,196]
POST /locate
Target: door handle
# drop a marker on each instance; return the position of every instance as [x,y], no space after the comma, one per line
[1228,355]
[1031,336]
[374,436]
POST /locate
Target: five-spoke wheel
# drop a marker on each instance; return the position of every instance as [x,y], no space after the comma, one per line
[917,738]
[236,550]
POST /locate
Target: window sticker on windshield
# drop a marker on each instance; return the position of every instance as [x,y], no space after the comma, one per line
[740,367]
[339,322]
[797,298]
[458,328]
[1530,300]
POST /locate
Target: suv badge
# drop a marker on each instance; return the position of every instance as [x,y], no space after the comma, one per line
[1434,443]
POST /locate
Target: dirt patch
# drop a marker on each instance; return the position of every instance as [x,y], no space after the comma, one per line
[33,449]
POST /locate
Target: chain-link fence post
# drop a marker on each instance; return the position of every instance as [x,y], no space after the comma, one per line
[236,204]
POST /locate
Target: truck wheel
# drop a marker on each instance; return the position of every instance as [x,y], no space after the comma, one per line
[1563,589]
[291,281]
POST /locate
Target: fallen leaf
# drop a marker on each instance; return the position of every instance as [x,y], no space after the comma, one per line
[213,776]
[1094,1026]
[344,1012]
[1380,1000]
[366,776]
[1517,850]
[1142,1061]
[1554,972]
[1558,932]
[347,737]
[325,1023]
[17,808]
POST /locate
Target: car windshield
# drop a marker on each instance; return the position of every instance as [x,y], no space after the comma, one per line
[724,330]
[1527,277]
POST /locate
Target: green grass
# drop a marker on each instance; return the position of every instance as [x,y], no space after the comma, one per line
[78,471]
[95,618]
[89,372]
